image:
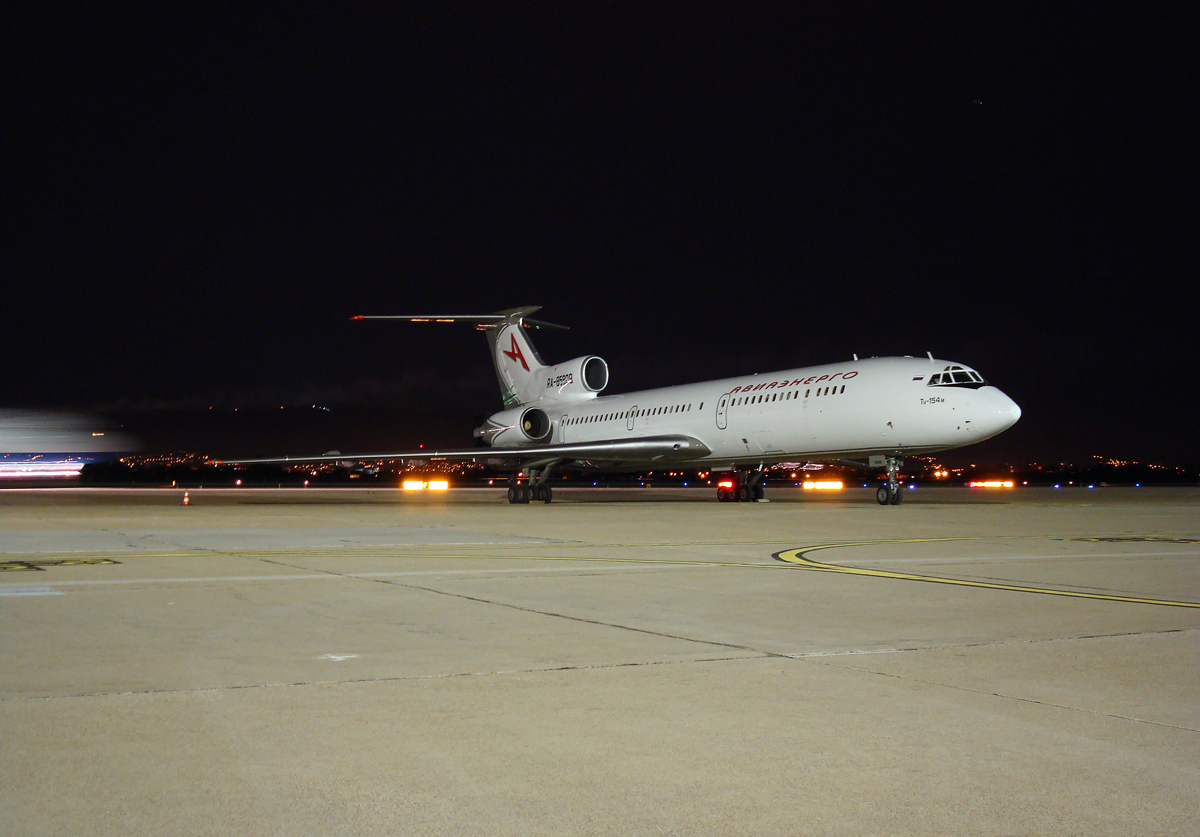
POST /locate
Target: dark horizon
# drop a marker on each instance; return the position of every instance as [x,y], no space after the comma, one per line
[204,201]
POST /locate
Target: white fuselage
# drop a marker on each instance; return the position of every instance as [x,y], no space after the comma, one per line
[878,406]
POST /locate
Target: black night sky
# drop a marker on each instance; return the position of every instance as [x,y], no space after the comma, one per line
[198,201]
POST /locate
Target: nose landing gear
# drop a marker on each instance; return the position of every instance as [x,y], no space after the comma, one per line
[891,494]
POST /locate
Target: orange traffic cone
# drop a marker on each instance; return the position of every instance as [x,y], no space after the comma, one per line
[186,500]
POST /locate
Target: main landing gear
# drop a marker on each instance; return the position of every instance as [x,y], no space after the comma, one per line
[741,487]
[891,494]
[535,490]
[519,494]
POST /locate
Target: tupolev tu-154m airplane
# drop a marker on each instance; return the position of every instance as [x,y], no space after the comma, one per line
[879,410]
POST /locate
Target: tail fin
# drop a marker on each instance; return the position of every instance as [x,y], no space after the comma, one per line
[518,365]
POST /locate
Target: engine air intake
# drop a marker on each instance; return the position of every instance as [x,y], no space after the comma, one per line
[535,424]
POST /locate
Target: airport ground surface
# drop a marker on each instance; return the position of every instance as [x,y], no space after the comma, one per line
[632,661]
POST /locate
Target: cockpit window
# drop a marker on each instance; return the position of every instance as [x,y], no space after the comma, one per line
[957,376]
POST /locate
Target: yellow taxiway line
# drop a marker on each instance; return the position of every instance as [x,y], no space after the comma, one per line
[798,557]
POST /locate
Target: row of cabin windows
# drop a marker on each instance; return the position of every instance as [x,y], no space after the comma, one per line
[687,408]
[787,396]
[648,411]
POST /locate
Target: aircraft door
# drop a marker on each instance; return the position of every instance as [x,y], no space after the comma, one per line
[562,428]
[723,412]
[632,418]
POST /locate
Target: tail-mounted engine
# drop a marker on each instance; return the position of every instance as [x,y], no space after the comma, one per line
[520,426]
[581,377]
[535,424]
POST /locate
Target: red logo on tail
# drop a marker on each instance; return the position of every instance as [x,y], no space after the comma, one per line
[514,353]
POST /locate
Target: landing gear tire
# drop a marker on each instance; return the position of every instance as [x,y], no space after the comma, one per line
[758,492]
[512,495]
[744,494]
[891,493]
[543,494]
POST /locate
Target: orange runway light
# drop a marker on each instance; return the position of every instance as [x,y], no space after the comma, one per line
[823,485]
[439,485]
[413,485]
[990,484]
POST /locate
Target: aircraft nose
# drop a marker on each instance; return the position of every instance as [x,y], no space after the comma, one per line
[1003,411]
[1014,411]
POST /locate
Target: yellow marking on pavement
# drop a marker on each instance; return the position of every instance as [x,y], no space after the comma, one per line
[798,557]
[1136,539]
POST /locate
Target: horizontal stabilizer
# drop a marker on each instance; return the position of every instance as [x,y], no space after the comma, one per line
[517,315]
[518,366]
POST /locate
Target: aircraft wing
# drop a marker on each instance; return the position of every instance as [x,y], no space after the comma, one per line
[648,449]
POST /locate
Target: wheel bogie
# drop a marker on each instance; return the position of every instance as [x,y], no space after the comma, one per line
[740,487]
[520,494]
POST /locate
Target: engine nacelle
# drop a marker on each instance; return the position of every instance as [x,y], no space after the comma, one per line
[581,377]
[535,424]
[516,427]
